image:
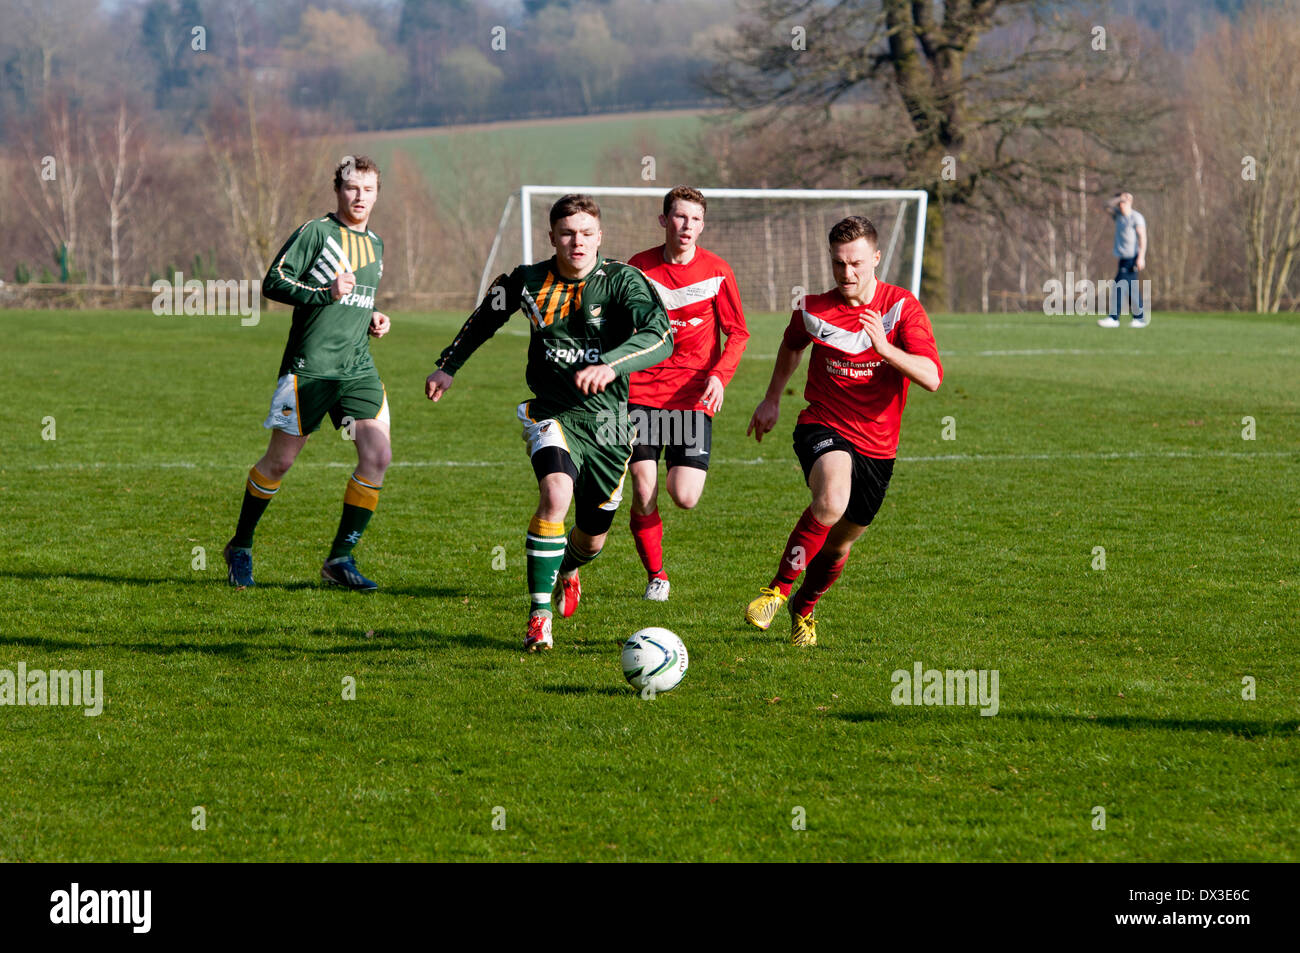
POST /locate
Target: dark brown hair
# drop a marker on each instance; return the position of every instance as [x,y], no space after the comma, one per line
[851,229]
[684,193]
[572,204]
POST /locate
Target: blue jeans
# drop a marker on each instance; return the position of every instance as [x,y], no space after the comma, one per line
[1125,279]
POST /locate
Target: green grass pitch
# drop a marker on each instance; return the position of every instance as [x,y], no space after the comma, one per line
[1120,688]
[559,152]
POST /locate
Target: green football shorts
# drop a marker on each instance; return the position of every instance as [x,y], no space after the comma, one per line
[591,450]
[299,404]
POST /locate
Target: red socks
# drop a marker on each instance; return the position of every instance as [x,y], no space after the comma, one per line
[804,543]
[648,533]
[822,573]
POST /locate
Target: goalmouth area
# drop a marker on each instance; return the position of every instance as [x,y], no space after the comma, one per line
[774,239]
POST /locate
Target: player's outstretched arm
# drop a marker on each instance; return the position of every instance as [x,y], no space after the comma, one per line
[502,300]
[768,410]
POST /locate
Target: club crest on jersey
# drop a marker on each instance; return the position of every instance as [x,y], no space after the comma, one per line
[594,317]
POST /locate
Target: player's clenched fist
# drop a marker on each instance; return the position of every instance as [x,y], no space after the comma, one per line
[764,419]
[379,324]
[343,284]
[594,378]
[436,385]
[874,325]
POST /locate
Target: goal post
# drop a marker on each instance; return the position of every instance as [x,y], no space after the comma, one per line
[774,239]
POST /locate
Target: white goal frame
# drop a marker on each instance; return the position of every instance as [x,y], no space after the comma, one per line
[528,191]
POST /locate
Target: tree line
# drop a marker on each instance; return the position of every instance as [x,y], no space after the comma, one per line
[164,136]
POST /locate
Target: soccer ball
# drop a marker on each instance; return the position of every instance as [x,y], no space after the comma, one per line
[654,661]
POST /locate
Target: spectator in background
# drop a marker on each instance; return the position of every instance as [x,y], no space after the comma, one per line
[1131,250]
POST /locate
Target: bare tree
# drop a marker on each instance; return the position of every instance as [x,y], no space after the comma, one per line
[1248,80]
[1182,236]
[47,32]
[271,165]
[470,213]
[51,189]
[408,209]
[117,155]
[980,102]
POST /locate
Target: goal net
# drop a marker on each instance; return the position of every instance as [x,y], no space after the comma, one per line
[774,239]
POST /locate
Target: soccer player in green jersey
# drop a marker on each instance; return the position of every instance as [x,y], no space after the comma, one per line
[329,271]
[593,321]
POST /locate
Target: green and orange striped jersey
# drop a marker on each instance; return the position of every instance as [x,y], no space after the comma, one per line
[329,339]
[612,316]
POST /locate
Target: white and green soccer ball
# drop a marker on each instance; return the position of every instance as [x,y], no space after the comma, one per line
[654,661]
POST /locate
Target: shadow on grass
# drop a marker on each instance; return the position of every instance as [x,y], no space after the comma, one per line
[1227,726]
[218,582]
[585,690]
[352,642]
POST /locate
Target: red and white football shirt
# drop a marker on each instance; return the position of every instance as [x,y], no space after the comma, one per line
[850,388]
[703,303]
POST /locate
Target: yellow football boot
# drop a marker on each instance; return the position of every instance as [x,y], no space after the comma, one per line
[803,629]
[762,610]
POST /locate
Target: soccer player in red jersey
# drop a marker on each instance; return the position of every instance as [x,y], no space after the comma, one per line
[869,339]
[672,404]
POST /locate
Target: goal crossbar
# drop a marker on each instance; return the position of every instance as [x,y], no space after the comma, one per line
[920,196]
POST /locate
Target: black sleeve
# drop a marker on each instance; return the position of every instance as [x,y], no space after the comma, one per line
[501,301]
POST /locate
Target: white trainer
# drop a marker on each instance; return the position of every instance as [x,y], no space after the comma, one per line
[1141,322]
[1108,323]
[657,590]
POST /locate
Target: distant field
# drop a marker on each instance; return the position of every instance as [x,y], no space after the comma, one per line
[544,151]
[1120,688]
